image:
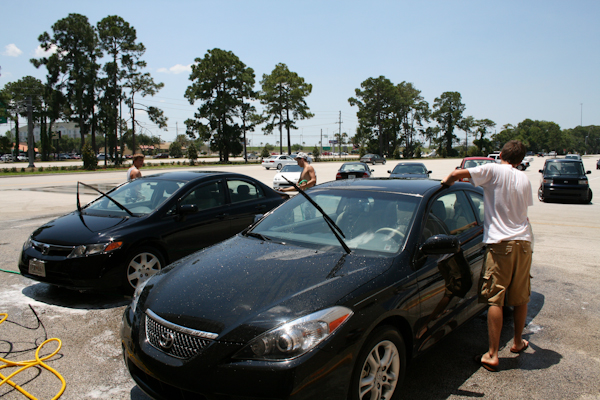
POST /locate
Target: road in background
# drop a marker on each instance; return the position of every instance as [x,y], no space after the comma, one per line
[564,315]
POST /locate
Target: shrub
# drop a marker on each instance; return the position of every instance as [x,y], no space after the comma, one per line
[41,169]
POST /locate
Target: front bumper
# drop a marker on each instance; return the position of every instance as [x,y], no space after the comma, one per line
[95,272]
[565,192]
[214,374]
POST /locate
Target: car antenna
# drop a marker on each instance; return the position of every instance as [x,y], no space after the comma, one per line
[332,225]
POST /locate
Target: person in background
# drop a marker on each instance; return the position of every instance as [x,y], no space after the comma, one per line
[505,278]
[308,177]
[134,172]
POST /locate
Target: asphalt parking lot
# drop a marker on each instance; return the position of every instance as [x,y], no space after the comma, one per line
[563,361]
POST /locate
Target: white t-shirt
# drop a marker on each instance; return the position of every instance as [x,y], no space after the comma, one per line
[506,196]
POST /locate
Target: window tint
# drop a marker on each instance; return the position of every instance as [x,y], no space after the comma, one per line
[206,196]
[243,191]
[450,214]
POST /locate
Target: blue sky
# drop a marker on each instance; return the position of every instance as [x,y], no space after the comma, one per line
[510,60]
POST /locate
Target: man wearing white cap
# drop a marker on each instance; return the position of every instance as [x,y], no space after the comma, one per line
[308,177]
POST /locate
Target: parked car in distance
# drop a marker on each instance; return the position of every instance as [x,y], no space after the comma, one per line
[410,170]
[353,170]
[573,157]
[277,161]
[309,313]
[161,155]
[251,156]
[7,158]
[564,179]
[552,154]
[291,172]
[372,159]
[119,240]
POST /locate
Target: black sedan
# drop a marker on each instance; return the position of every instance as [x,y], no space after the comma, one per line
[326,297]
[410,170]
[353,170]
[122,238]
[564,179]
[372,159]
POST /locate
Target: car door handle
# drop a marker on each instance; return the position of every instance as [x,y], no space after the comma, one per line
[260,207]
[222,215]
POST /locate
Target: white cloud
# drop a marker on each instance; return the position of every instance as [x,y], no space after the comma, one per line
[12,51]
[176,69]
[40,52]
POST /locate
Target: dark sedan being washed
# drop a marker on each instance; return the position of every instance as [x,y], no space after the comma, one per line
[327,297]
[122,238]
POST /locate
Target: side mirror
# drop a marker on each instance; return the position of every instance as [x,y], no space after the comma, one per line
[429,172]
[541,171]
[389,172]
[440,244]
[588,172]
[185,209]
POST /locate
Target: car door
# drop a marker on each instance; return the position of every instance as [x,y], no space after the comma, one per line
[247,199]
[208,225]
[448,282]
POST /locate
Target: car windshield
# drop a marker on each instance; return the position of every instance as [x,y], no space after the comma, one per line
[476,163]
[141,197]
[353,168]
[291,168]
[574,168]
[373,222]
[409,169]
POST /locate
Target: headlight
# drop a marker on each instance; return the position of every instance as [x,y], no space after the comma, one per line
[296,337]
[583,182]
[90,249]
[27,243]
[136,295]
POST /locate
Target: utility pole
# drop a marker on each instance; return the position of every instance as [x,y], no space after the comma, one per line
[340,136]
[30,143]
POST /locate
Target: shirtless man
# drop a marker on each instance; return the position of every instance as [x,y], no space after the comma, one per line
[308,177]
[134,172]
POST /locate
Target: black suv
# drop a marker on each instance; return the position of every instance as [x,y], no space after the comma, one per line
[564,179]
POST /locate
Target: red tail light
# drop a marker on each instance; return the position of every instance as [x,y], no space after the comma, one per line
[338,176]
[365,175]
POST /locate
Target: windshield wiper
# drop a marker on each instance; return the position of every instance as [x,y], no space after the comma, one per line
[257,235]
[122,207]
[332,225]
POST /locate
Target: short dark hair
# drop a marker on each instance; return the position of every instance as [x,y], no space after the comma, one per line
[513,152]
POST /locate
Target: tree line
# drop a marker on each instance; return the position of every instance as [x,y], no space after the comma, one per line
[394,119]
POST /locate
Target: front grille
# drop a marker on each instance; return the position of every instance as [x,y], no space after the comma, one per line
[52,249]
[175,340]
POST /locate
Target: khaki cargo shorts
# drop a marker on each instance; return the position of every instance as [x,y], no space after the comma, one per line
[505,276]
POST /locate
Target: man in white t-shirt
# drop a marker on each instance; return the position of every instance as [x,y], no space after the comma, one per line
[505,278]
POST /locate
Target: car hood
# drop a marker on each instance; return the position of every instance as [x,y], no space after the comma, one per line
[74,229]
[289,175]
[244,286]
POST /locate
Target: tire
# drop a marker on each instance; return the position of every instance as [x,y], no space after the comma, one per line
[521,167]
[279,166]
[588,200]
[540,194]
[380,366]
[142,263]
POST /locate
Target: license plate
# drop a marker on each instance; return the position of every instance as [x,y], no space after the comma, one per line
[351,176]
[37,267]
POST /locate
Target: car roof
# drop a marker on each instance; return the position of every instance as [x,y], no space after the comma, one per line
[561,160]
[478,158]
[408,186]
[188,176]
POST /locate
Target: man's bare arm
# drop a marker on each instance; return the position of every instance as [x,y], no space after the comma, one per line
[456,175]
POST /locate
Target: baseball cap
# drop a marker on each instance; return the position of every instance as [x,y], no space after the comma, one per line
[301,155]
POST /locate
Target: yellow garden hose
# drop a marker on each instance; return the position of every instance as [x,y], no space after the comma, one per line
[31,363]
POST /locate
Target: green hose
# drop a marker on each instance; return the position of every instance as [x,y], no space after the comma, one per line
[9,271]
